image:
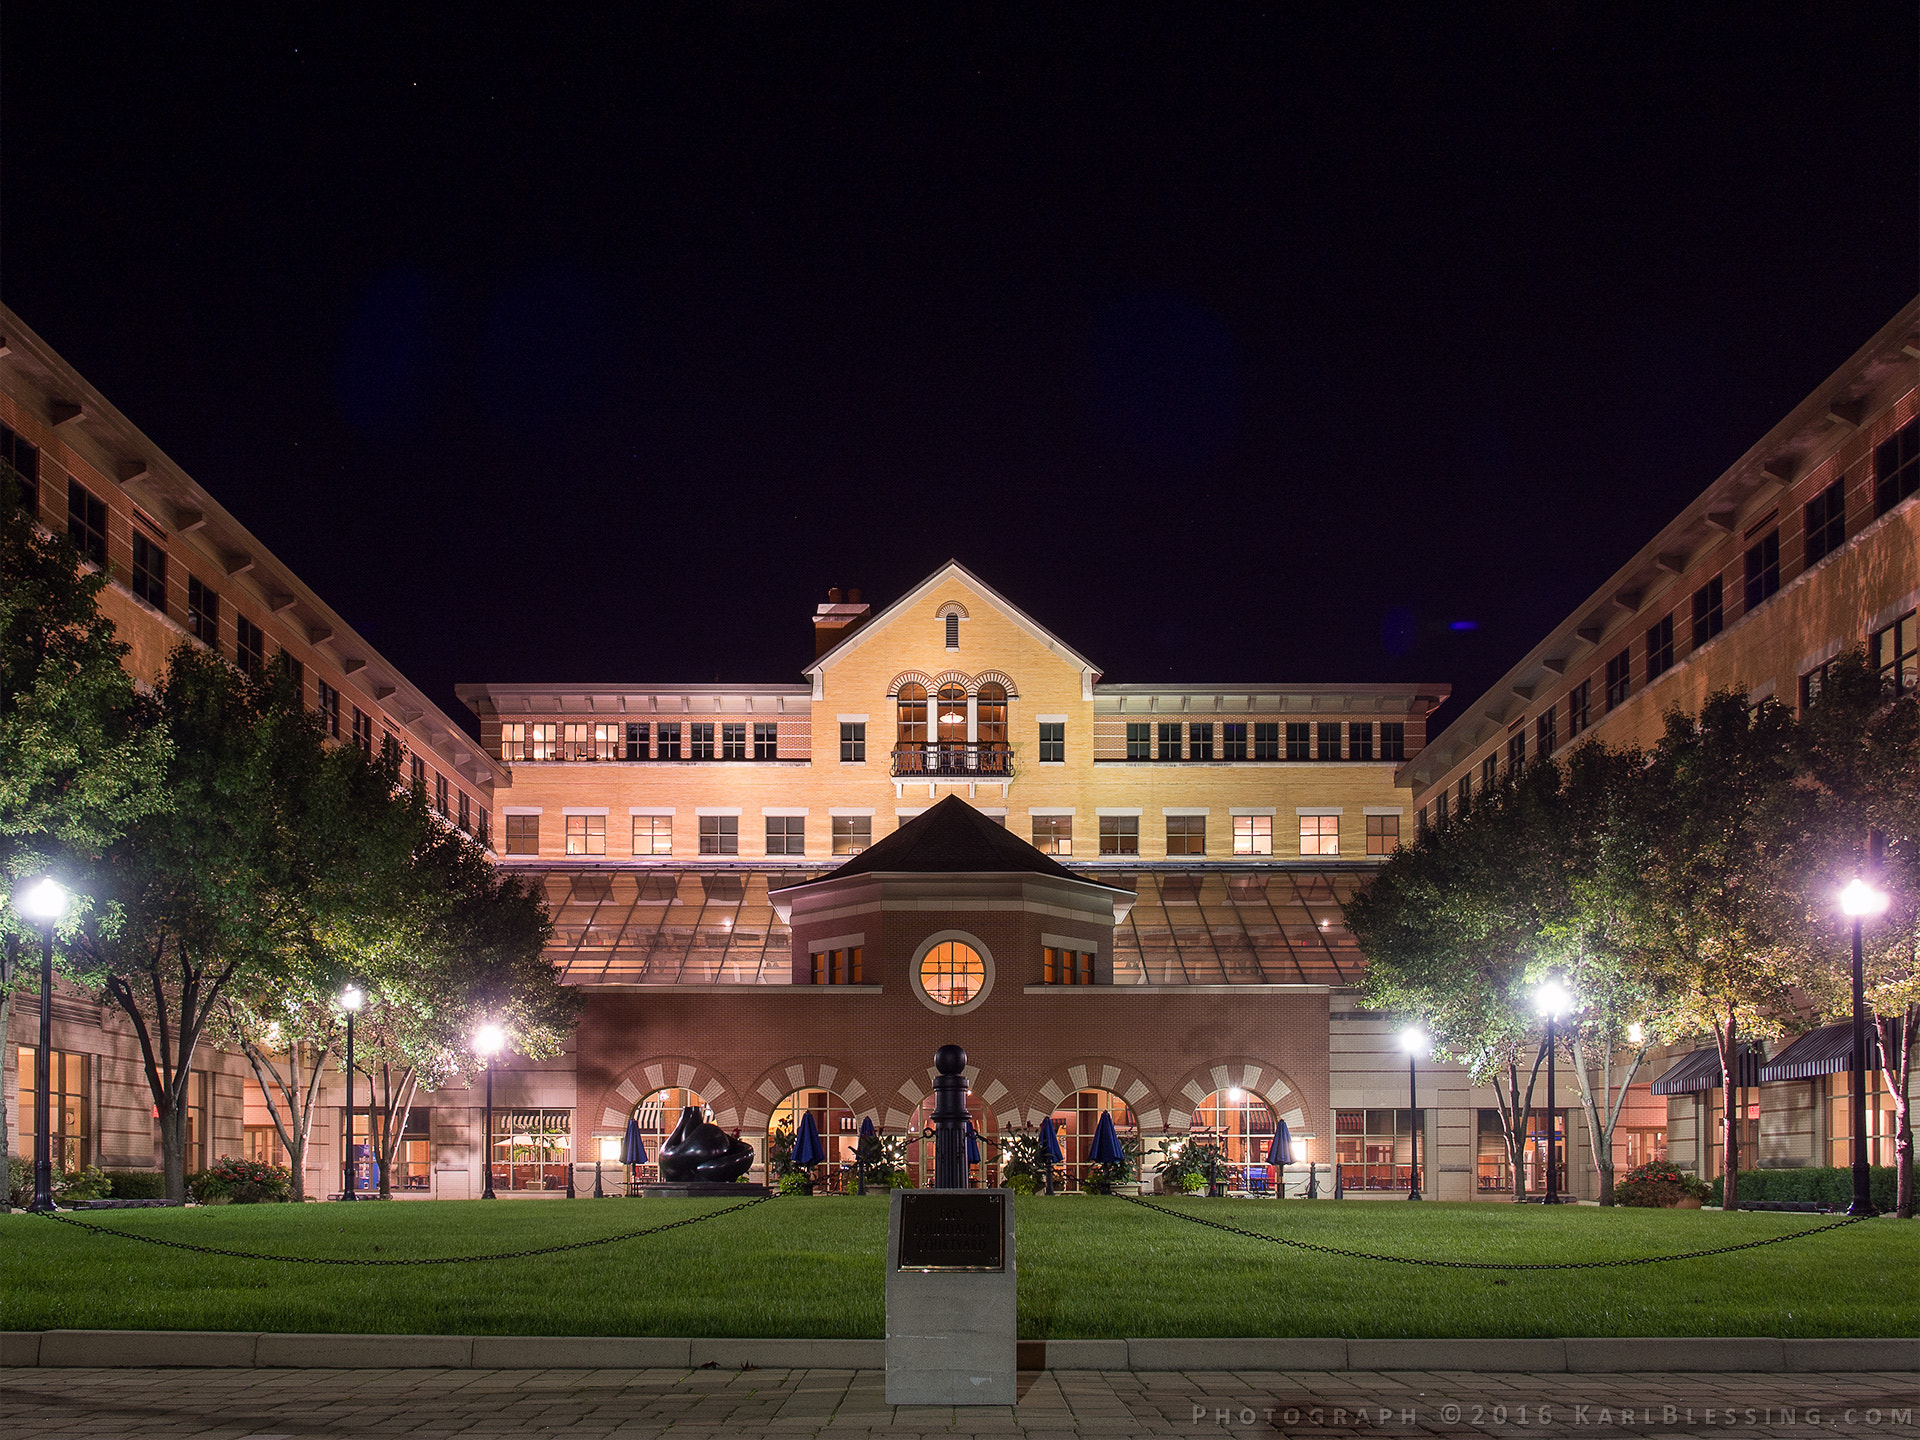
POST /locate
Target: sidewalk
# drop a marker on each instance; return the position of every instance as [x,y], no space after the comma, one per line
[260,1404]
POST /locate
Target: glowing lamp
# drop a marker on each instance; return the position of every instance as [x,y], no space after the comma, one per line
[46,900]
[1413,1040]
[1859,899]
[352,998]
[489,1040]
[1636,1032]
[1552,1000]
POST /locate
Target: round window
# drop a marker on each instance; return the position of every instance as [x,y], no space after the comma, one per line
[952,973]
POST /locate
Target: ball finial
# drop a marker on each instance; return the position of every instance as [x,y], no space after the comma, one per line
[950,1060]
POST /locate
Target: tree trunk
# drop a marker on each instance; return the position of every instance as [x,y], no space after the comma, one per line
[399,1099]
[1896,1046]
[1724,1041]
[1603,1114]
[295,1127]
[173,1148]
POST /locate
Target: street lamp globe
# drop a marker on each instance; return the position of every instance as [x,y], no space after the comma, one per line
[46,900]
[1636,1033]
[489,1040]
[1552,1000]
[1414,1040]
[352,998]
[1859,899]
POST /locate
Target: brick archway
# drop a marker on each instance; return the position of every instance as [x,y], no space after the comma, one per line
[911,677]
[1000,677]
[809,1072]
[1256,1077]
[994,1096]
[668,1072]
[1100,1074]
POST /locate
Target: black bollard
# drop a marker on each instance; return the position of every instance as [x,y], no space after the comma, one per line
[950,1170]
[598,1193]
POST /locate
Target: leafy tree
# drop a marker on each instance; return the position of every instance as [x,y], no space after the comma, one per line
[80,756]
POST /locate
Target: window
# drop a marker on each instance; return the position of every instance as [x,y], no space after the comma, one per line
[532,1149]
[1393,740]
[440,797]
[465,821]
[149,581]
[669,732]
[545,740]
[1053,742]
[67,1110]
[839,967]
[1253,835]
[1053,834]
[484,831]
[1374,1149]
[1233,740]
[1489,771]
[249,646]
[953,631]
[952,973]
[1896,467]
[852,833]
[1360,740]
[417,769]
[1812,683]
[1440,811]
[1463,794]
[606,742]
[22,461]
[87,523]
[766,740]
[1896,652]
[329,707]
[853,742]
[1619,681]
[1320,834]
[363,735]
[296,672]
[1060,966]
[786,834]
[1516,752]
[1299,740]
[1119,834]
[637,739]
[990,715]
[733,740]
[911,734]
[1546,736]
[1383,834]
[1881,1118]
[203,615]
[523,834]
[574,742]
[701,742]
[653,834]
[1825,518]
[1708,612]
[719,835]
[586,834]
[1763,569]
[1200,741]
[1186,834]
[1659,648]
[1170,740]
[1139,741]
[1327,740]
[1579,708]
[1266,740]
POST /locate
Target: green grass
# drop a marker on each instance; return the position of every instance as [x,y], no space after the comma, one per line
[1089,1267]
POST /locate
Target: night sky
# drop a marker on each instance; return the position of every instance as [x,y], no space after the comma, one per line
[1232,343]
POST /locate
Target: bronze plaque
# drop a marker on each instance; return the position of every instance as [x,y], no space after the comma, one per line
[952,1230]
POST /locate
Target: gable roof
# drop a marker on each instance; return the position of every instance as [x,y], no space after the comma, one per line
[952,838]
[954,569]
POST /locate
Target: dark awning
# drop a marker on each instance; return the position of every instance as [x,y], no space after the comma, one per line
[1826,1051]
[1700,1070]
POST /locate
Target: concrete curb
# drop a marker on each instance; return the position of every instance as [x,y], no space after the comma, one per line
[1592,1355]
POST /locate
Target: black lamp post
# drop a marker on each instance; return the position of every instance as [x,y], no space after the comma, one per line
[1413,1040]
[489,1040]
[1554,1002]
[45,901]
[351,999]
[1859,900]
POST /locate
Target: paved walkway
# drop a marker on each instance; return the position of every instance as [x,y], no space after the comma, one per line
[800,1404]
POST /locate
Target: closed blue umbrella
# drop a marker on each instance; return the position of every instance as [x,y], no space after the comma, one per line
[866,1127]
[807,1149]
[1280,1152]
[1106,1143]
[1050,1142]
[632,1151]
[973,1145]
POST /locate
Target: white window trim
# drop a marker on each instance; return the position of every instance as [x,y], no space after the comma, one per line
[1383,810]
[940,937]
[1184,810]
[837,942]
[850,719]
[1053,719]
[901,813]
[837,812]
[583,810]
[1066,810]
[787,810]
[1251,810]
[1133,810]
[733,810]
[650,810]
[519,809]
[1077,943]
[1319,810]
[999,810]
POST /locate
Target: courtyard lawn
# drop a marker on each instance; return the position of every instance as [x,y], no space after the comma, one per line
[1089,1267]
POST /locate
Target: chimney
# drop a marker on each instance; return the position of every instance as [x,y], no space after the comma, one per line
[835,620]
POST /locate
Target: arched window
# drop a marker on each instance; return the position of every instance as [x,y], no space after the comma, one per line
[952,715]
[912,741]
[991,705]
[658,1114]
[1075,1122]
[1243,1124]
[833,1118]
[920,1149]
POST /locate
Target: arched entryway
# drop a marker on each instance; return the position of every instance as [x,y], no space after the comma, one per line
[1075,1120]
[836,1121]
[659,1113]
[1242,1124]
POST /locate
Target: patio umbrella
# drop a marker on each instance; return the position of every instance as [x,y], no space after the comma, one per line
[1280,1155]
[1106,1144]
[1050,1147]
[807,1149]
[632,1151]
[973,1145]
[860,1152]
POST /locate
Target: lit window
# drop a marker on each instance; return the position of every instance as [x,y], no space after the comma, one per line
[952,973]
[1061,966]
[1383,834]
[1186,834]
[586,834]
[852,833]
[67,1106]
[546,740]
[1053,834]
[1320,834]
[653,834]
[1119,834]
[839,967]
[1896,652]
[1253,835]
[607,741]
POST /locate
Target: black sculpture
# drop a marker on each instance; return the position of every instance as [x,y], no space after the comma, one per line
[698,1150]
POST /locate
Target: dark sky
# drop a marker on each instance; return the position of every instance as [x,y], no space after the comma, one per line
[1233,343]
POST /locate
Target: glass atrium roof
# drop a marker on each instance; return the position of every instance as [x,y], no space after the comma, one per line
[1196,926]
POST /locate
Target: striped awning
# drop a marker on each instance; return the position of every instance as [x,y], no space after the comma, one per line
[1700,1070]
[1826,1051]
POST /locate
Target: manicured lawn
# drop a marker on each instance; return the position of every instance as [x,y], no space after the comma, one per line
[1089,1267]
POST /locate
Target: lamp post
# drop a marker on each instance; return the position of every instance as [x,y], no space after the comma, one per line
[351,999]
[1858,900]
[488,1041]
[1552,1001]
[45,901]
[1414,1041]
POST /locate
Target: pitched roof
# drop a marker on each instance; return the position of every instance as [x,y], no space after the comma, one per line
[952,838]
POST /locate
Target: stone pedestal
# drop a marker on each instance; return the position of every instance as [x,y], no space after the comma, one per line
[951,1324]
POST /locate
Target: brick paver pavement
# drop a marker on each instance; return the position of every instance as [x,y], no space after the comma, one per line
[803,1404]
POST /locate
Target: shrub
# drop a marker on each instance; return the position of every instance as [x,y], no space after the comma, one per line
[1022,1184]
[19,1180]
[1657,1184]
[1832,1184]
[233,1181]
[138,1184]
[796,1182]
[72,1187]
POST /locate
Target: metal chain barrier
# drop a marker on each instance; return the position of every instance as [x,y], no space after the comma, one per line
[440,1260]
[1489,1264]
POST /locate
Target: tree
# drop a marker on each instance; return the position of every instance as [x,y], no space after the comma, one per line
[80,756]
[1692,855]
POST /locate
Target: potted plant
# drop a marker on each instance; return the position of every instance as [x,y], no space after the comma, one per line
[1660,1185]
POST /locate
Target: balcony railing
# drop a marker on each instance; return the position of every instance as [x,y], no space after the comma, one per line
[940,759]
